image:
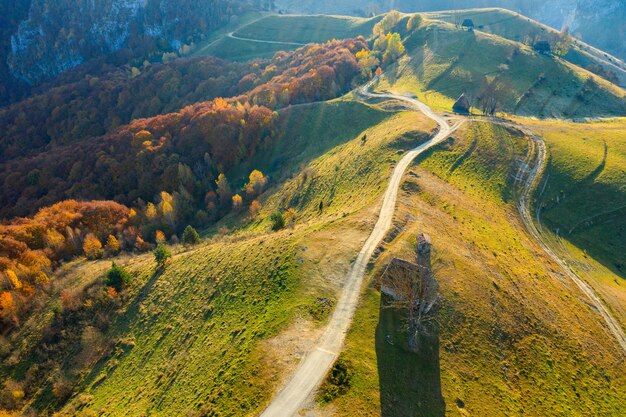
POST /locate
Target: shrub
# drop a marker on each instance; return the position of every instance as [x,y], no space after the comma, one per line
[117,277]
[337,382]
[278,220]
[254,208]
[190,236]
[290,217]
[11,395]
[161,255]
[71,299]
[62,388]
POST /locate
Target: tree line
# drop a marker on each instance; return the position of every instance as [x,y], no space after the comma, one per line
[93,101]
[185,149]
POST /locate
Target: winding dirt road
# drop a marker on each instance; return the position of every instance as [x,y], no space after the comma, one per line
[538,149]
[314,367]
[233,36]
[316,364]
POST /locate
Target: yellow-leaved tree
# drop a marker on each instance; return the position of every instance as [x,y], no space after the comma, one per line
[166,207]
[237,201]
[367,62]
[387,23]
[257,181]
[151,211]
[92,246]
[13,279]
[159,237]
[112,246]
[7,306]
[389,46]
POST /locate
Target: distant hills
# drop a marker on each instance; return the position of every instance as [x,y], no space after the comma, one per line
[601,23]
[39,40]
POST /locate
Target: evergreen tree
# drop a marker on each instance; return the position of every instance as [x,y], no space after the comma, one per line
[190,236]
[161,255]
[278,220]
[117,277]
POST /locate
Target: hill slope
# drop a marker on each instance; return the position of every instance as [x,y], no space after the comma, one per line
[199,337]
[218,329]
[446,62]
[511,337]
[286,33]
[519,28]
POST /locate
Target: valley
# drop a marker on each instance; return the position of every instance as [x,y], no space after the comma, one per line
[349,124]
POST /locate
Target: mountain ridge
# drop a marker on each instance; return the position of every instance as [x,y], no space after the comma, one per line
[587,17]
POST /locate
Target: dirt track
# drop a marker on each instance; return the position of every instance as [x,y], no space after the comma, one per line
[538,151]
[315,365]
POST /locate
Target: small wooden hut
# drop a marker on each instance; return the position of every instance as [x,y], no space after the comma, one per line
[462,105]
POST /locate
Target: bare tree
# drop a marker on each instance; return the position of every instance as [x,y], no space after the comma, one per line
[412,288]
[563,42]
[488,97]
[457,20]
[404,283]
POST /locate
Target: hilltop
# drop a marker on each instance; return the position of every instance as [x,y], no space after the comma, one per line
[587,19]
[446,61]
[462,62]
[519,28]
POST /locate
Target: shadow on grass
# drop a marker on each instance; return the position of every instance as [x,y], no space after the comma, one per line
[410,383]
[46,401]
[589,216]
[102,368]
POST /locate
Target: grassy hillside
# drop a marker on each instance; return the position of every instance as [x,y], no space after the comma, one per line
[242,50]
[513,337]
[292,29]
[516,27]
[305,29]
[202,47]
[309,131]
[585,193]
[583,202]
[442,62]
[207,334]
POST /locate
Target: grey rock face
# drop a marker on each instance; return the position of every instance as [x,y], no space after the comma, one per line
[60,34]
[51,40]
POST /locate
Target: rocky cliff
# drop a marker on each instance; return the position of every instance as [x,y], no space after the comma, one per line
[58,35]
[602,23]
[51,36]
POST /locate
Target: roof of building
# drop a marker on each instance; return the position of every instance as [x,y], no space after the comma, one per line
[542,45]
[462,105]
